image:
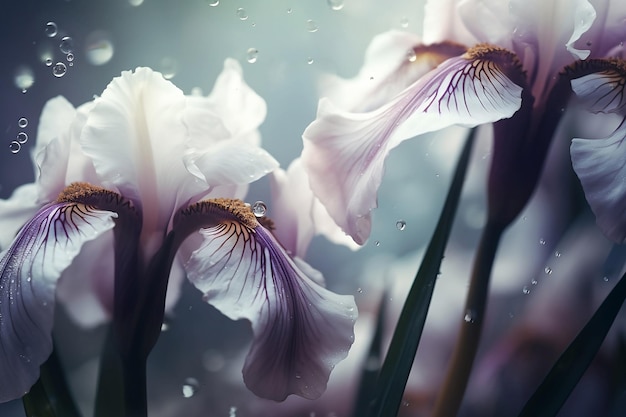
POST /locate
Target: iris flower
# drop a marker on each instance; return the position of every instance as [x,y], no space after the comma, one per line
[479,61]
[137,188]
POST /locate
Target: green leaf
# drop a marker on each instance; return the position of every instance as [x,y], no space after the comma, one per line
[397,365]
[574,361]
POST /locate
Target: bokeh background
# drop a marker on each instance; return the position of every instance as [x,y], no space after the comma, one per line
[541,294]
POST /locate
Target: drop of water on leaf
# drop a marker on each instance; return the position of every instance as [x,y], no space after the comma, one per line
[400,225]
[15,147]
[335,4]
[51,29]
[59,69]
[259,209]
[67,45]
[311,26]
[404,22]
[241,14]
[252,55]
[22,122]
[22,137]
[190,387]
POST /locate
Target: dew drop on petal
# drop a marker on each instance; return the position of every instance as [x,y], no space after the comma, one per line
[359,290]
[534,282]
[22,137]
[605,278]
[311,26]
[190,387]
[22,122]
[51,29]
[252,55]
[557,254]
[98,48]
[214,3]
[259,209]
[15,147]
[404,22]
[67,45]
[309,60]
[335,4]
[135,3]
[410,55]
[232,412]
[469,317]
[400,225]
[59,69]
[241,14]
[547,270]
[542,241]
[24,78]
[525,290]
[377,243]
[165,327]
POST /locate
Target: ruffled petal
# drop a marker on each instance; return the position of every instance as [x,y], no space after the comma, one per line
[301,330]
[29,270]
[344,152]
[601,167]
[602,92]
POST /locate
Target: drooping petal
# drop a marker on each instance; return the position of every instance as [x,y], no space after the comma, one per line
[29,270]
[603,91]
[601,167]
[301,330]
[344,152]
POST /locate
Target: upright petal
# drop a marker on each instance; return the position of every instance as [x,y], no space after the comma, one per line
[301,330]
[29,270]
[344,152]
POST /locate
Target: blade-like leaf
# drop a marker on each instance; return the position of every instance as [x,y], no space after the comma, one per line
[399,360]
[574,361]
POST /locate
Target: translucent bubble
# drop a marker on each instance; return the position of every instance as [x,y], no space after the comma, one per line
[15,146]
[309,60]
[59,69]
[69,57]
[241,14]
[48,62]
[22,122]
[22,137]
[400,225]
[259,209]
[135,3]
[311,26]
[252,55]
[169,67]
[98,48]
[214,3]
[404,22]
[24,78]
[335,4]
[190,387]
[51,29]
[67,45]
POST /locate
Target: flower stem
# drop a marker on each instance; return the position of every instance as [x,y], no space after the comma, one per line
[453,389]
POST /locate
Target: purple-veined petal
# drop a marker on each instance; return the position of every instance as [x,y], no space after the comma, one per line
[601,167]
[301,330]
[29,270]
[602,92]
[344,152]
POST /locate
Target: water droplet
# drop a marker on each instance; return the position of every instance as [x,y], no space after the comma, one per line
[405,403]
[557,254]
[15,147]
[51,29]
[259,209]
[190,387]
[534,282]
[289,10]
[589,43]
[542,241]
[298,376]
[67,45]
[252,55]
[169,67]
[22,122]
[377,243]
[335,4]
[400,225]
[469,316]
[547,270]
[98,48]
[165,327]
[359,290]
[24,78]
[309,60]
[241,14]
[605,278]
[48,62]
[404,22]
[214,3]
[59,69]
[135,3]
[70,57]
[22,137]
[232,412]
[526,290]
[411,56]
[311,26]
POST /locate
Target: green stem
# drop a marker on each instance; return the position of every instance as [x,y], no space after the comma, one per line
[451,395]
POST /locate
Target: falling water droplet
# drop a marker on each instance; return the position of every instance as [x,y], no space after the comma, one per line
[51,29]
[400,225]
[252,55]
[67,45]
[259,209]
[15,147]
[335,4]
[22,137]
[311,26]
[404,22]
[190,387]
[22,122]
[59,69]
[241,14]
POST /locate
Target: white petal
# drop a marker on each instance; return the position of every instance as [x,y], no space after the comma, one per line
[443,23]
[29,270]
[601,167]
[584,15]
[16,211]
[301,330]
[57,114]
[601,91]
[344,152]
